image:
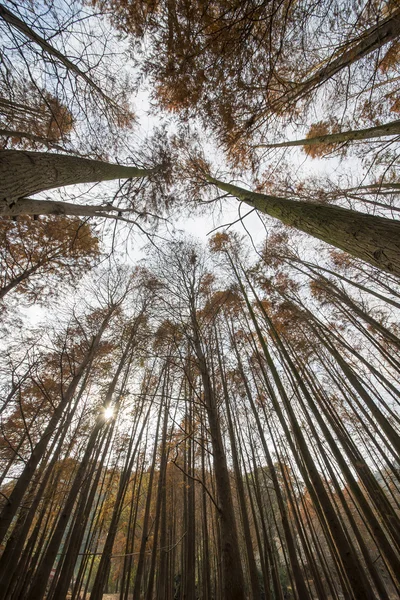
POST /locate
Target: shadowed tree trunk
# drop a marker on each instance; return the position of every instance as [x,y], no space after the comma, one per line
[14,501]
[392,128]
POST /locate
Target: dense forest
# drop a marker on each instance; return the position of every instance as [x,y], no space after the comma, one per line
[210,417]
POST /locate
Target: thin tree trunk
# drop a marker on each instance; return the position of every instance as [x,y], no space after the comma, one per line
[335,535]
[39,583]
[33,138]
[140,568]
[160,486]
[392,128]
[232,574]
[252,567]
[370,40]
[9,561]
[28,32]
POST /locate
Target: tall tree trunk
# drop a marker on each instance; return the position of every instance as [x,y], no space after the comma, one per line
[9,561]
[29,33]
[24,173]
[335,534]
[81,515]
[140,568]
[370,40]
[392,128]
[375,240]
[252,567]
[290,543]
[232,574]
[160,486]
[39,583]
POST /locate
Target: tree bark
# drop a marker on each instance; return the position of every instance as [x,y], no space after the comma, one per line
[24,173]
[375,240]
[232,574]
[373,38]
[16,496]
[38,588]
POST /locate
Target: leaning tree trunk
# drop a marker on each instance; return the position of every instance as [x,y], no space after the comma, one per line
[24,173]
[392,128]
[370,40]
[340,546]
[375,240]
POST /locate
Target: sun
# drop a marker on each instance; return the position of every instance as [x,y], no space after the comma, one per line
[108,412]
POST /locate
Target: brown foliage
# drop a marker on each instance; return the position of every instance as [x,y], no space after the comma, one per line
[33,254]
[317,130]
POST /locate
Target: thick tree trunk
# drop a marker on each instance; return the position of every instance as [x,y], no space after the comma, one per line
[24,173]
[392,128]
[375,240]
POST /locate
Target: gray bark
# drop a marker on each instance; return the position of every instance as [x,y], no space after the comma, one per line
[370,40]
[30,206]
[376,36]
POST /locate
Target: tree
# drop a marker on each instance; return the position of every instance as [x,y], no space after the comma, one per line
[373,239]
[38,256]
[190,274]
[26,173]
[75,80]
[238,65]
[31,117]
[386,129]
